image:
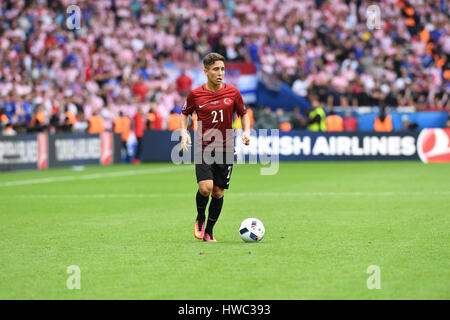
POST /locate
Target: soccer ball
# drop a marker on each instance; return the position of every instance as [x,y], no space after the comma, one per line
[251,230]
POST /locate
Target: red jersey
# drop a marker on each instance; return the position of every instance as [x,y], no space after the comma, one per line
[139,125]
[184,83]
[215,111]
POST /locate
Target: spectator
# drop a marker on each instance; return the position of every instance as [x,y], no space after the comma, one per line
[55,121]
[301,85]
[407,125]
[392,97]
[122,52]
[140,87]
[81,125]
[154,118]
[122,126]
[334,122]
[4,121]
[6,128]
[297,119]
[383,123]
[184,83]
[38,120]
[350,122]
[173,122]
[283,120]
[69,120]
[316,117]
[96,124]
[139,127]
[266,119]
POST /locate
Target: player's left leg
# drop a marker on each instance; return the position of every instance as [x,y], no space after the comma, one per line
[222,176]
[215,207]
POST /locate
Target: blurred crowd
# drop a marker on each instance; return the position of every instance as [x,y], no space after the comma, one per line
[58,79]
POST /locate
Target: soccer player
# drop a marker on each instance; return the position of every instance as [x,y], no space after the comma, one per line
[215,102]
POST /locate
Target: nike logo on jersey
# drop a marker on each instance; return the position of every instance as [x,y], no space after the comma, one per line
[201,106]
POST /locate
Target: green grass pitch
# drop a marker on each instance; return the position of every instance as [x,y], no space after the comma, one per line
[129,230]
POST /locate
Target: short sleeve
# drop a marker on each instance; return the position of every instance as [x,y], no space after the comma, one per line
[189,105]
[239,105]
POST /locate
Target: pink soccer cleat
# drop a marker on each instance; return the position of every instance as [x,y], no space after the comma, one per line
[199,233]
[209,238]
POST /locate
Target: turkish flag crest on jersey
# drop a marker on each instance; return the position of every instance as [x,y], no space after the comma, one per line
[228,101]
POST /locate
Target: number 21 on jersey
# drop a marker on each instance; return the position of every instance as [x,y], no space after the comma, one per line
[214,113]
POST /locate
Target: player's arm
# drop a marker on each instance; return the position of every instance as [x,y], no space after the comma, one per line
[245,119]
[185,136]
[246,128]
[188,109]
[316,119]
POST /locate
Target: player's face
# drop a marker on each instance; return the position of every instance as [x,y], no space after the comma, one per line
[215,73]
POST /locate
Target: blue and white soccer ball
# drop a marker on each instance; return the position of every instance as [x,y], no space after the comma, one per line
[252,230]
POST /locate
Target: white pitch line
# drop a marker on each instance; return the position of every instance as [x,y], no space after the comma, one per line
[262,194]
[344,193]
[93,176]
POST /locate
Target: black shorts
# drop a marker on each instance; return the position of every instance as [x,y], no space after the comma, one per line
[220,172]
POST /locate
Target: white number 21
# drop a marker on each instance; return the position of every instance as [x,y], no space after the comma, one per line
[214,113]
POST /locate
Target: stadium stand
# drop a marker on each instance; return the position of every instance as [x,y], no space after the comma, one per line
[52,77]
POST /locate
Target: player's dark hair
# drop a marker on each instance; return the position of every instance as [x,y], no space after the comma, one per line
[211,58]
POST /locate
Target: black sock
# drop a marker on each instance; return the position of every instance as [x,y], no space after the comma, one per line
[202,202]
[213,213]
